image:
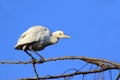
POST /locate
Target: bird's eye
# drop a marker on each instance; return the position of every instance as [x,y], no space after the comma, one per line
[60,33]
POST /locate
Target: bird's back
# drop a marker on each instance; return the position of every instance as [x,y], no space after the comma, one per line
[36,35]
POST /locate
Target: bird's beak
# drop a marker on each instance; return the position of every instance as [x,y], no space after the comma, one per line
[66,36]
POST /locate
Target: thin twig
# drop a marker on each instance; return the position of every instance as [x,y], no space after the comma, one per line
[104,64]
[110,74]
[71,74]
[35,71]
[118,76]
[83,66]
[83,77]
[86,59]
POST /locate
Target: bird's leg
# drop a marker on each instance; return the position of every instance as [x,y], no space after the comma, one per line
[42,59]
[30,55]
[24,48]
[33,64]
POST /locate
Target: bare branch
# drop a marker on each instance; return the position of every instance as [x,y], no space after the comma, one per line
[118,77]
[35,71]
[102,65]
[86,59]
[71,74]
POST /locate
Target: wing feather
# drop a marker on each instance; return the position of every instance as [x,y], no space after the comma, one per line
[34,34]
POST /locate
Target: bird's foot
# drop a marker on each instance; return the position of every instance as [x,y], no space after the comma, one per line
[41,60]
[33,60]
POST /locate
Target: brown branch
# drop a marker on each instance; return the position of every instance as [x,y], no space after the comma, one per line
[104,64]
[71,74]
[86,59]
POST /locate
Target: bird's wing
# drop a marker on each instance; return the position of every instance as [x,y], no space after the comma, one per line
[34,34]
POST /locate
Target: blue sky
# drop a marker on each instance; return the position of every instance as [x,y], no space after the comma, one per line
[93,24]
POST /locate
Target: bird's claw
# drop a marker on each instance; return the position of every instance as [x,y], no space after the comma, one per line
[41,60]
[33,60]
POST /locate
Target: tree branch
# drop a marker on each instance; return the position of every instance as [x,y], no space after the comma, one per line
[71,74]
[104,64]
[86,59]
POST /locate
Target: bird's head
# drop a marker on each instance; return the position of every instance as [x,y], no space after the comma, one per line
[60,34]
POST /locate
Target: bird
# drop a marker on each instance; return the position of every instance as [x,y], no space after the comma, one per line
[36,38]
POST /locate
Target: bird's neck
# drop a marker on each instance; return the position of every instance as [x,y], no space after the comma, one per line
[54,40]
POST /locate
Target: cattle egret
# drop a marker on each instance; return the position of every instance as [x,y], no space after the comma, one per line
[37,38]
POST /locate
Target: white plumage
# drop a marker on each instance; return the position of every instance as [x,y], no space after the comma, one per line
[37,38]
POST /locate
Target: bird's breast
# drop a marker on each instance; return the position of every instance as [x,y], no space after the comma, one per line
[38,46]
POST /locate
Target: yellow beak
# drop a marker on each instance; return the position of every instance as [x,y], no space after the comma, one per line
[66,36]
